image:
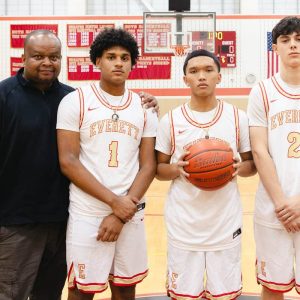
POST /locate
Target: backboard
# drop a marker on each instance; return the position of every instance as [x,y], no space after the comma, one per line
[178,33]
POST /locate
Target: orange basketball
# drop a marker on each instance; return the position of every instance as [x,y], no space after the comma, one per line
[210,164]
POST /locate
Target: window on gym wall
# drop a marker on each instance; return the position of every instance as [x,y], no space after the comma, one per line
[137,7]
[279,7]
[32,7]
[219,6]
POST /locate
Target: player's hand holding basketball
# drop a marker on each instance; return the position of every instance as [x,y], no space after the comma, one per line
[289,211]
[180,164]
[110,229]
[124,207]
[237,164]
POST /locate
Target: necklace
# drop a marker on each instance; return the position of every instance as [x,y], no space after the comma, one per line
[205,129]
[115,117]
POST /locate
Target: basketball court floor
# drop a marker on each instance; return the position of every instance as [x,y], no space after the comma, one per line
[153,287]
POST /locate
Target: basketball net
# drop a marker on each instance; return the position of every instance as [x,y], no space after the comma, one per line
[180,50]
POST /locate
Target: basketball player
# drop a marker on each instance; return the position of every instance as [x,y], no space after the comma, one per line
[204,227]
[274,117]
[106,148]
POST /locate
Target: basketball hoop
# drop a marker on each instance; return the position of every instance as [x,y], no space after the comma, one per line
[180,50]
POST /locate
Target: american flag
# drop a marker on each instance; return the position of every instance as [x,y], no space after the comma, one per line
[272,57]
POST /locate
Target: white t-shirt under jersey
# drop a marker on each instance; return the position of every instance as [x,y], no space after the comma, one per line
[108,149]
[276,105]
[196,219]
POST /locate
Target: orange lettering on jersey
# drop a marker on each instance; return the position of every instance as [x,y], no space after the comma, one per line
[273,122]
[108,125]
[115,127]
[262,267]
[93,129]
[285,117]
[173,280]
[280,118]
[100,126]
[81,268]
[121,127]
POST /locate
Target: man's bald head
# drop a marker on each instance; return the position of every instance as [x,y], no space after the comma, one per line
[41,58]
[39,33]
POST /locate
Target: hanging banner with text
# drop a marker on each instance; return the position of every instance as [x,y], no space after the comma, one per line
[82,35]
[19,31]
[15,64]
[148,67]
[136,30]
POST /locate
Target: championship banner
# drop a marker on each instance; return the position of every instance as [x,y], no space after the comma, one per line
[81,68]
[147,67]
[15,64]
[136,30]
[82,35]
[152,67]
[19,31]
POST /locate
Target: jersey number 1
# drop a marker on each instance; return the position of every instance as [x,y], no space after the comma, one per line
[113,149]
[294,139]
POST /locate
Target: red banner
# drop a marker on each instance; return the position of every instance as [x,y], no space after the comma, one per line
[147,67]
[136,30]
[19,31]
[81,68]
[152,67]
[82,35]
[15,64]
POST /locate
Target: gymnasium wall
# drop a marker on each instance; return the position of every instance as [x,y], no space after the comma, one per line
[251,54]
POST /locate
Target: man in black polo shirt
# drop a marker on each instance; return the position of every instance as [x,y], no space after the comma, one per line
[33,192]
[34,195]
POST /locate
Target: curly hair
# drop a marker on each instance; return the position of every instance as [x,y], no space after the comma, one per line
[111,37]
[285,26]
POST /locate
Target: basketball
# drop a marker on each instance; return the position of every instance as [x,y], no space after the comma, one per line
[210,164]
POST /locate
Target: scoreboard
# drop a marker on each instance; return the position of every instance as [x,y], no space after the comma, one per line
[223,43]
[225,48]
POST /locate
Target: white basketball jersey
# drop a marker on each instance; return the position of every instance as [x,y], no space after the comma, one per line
[108,149]
[276,105]
[196,219]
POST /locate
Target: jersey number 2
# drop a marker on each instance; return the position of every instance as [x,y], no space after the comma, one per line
[294,139]
[113,149]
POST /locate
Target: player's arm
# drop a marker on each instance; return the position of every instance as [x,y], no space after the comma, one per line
[287,211]
[167,171]
[69,149]
[146,173]
[265,165]
[245,167]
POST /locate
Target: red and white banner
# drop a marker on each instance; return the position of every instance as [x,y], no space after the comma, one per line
[19,31]
[136,30]
[82,35]
[15,64]
[152,67]
[147,67]
[81,68]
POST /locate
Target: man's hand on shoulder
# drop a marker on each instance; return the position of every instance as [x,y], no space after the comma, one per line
[149,101]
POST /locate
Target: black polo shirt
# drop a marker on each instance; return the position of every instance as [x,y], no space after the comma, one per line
[32,188]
